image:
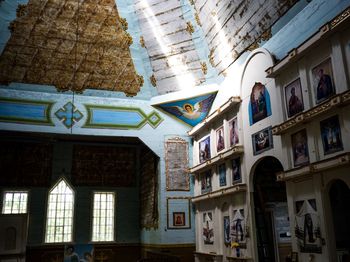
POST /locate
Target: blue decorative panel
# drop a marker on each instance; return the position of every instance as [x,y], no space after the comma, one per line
[69,115]
[120,117]
[25,111]
[191,110]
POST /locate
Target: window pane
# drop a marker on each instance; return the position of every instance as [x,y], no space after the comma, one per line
[15,202]
[103,217]
[60,214]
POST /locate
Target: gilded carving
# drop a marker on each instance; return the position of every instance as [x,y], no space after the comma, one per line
[123,23]
[71,51]
[336,21]
[153,80]
[191,2]
[204,67]
[211,57]
[142,42]
[189,27]
[196,16]
[21,10]
[253,46]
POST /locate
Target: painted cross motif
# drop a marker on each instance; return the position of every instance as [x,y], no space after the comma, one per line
[69,115]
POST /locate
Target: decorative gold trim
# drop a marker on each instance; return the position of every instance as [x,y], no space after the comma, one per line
[220,193]
[340,18]
[189,27]
[142,42]
[323,165]
[204,67]
[153,80]
[211,57]
[123,23]
[233,151]
[196,16]
[336,101]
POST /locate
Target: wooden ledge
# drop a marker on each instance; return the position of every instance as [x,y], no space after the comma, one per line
[308,170]
[335,25]
[239,258]
[234,100]
[220,193]
[233,151]
[210,254]
[331,103]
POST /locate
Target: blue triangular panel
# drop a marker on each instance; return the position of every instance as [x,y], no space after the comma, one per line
[190,110]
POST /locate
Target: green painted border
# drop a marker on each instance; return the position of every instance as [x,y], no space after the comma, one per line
[18,120]
[146,118]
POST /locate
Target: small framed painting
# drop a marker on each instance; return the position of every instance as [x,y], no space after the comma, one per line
[300,148]
[222,174]
[179,219]
[262,141]
[233,131]
[294,98]
[220,142]
[204,149]
[322,77]
[331,135]
[236,170]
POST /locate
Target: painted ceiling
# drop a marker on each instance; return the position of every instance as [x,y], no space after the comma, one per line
[167,45]
[73,45]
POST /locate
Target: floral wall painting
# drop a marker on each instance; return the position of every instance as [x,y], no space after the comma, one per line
[294,98]
[233,130]
[300,148]
[236,170]
[322,77]
[191,110]
[307,228]
[208,228]
[204,150]
[262,141]
[259,105]
[331,135]
[227,236]
[220,142]
[222,174]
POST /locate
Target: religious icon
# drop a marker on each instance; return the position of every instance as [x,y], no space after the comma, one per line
[227,237]
[204,150]
[259,106]
[262,141]
[233,130]
[206,181]
[179,219]
[331,135]
[236,170]
[222,174]
[307,229]
[323,80]
[294,98]
[237,226]
[300,148]
[208,228]
[220,143]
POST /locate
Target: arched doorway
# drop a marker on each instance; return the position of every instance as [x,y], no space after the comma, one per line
[339,196]
[271,212]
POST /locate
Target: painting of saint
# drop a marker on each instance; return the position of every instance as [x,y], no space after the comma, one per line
[300,148]
[237,226]
[179,219]
[294,98]
[208,228]
[227,237]
[307,228]
[206,181]
[331,135]
[204,150]
[222,174]
[233,130]
[323,80]
[259,105]
[236,170]
[220,143]
[191,110]
[262,141]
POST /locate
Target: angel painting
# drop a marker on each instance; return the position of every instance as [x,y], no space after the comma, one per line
[192,110]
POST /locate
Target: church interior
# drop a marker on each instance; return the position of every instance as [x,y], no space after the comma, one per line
[174,130]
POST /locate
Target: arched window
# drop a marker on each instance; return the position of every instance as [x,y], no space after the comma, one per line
[59,222]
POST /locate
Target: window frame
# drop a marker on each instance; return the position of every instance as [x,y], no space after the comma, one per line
[114,216]
[18,190]
[45,230]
